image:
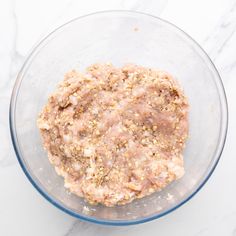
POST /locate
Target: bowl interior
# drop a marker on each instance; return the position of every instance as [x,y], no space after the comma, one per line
[121,37]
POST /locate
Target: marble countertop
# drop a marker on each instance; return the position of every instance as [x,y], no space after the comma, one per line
[23,211]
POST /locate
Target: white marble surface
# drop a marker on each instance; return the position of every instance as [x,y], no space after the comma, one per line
[23,211]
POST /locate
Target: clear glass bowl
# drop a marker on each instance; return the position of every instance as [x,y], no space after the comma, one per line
[120,37]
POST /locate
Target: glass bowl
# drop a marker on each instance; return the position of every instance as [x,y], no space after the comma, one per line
[120,37]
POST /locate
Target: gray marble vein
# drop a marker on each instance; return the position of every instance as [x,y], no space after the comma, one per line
[84,228]
[15,61]
[222,33]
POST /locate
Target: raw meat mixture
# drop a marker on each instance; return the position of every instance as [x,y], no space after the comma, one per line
[116,134]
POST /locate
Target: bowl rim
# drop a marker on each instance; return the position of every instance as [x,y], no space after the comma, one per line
[219,149]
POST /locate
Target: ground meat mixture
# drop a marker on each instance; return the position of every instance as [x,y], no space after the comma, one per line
[116,134]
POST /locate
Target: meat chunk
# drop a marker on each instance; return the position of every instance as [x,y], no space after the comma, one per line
[116,134]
